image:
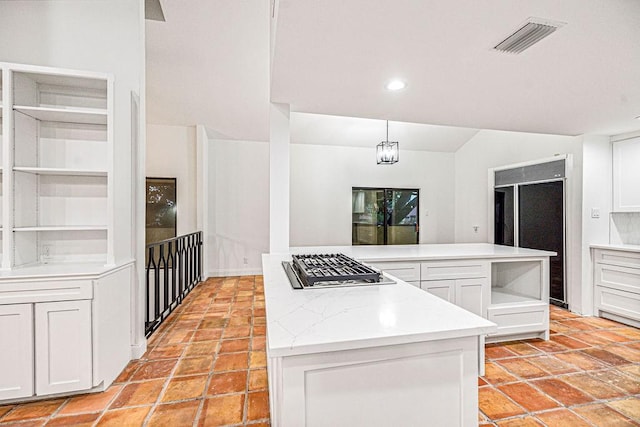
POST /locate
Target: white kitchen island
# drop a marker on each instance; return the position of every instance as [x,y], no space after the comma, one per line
[376,356]
[385,354]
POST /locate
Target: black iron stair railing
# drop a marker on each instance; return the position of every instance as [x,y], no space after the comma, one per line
[173,269]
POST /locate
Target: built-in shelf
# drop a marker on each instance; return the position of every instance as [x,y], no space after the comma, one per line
[498,297]
[64,115]
[62,228]
[59,171]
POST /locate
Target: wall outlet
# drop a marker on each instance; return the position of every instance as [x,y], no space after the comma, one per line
[245,260]
[46,253]
[475,228]
[595,212]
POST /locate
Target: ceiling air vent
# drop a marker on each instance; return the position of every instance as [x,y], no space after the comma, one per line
[531,32]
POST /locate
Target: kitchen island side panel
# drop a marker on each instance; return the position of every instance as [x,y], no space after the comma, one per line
[381,386]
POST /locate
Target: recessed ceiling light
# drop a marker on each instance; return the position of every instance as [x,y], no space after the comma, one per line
[396,85]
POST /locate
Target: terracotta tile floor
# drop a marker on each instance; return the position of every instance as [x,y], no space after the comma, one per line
[587,374]
[206,366]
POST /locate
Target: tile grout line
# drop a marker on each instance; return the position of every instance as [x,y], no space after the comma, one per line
[555,376]
[207,383]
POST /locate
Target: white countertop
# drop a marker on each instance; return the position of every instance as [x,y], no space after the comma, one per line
[619,247]
[320,320]
[61,270]
[426,252]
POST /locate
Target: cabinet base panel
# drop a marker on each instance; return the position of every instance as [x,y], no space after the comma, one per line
[97,389]
[522,336]
[619,319]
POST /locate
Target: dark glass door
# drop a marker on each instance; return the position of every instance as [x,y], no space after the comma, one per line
[541,226]
[504,227]
[368,211]
[402,217]
[385,216]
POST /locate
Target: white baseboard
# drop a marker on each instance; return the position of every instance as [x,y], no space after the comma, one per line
[235,272]
[137,350]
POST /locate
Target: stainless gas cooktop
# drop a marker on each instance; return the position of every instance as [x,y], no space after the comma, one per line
[331,270]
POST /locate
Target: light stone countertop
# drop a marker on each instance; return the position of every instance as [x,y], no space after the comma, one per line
[426,252]
[321,320]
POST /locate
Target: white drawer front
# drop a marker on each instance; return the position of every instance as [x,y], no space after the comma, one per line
[31,292]
[621,258]
[407,271]
[434,270]
[615,301]
[613,276]
[519,320]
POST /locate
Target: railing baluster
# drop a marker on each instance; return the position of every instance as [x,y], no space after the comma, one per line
[181,270]
[172,271]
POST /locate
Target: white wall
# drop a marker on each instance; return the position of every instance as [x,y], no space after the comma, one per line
[171,153]
[238,208]
[322,178]
[596,193]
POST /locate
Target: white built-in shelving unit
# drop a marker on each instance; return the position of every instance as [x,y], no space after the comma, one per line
[59,161]
[63,300]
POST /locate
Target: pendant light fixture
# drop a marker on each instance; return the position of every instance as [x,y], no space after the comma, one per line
[387,152]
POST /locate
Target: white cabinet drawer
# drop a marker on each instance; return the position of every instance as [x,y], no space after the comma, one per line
[407,271]
[46,291]
[619,302]
[523,319]
[614,276]
[437,270]
[613,257]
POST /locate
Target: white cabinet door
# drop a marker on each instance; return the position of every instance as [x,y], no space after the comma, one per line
[626,175]
[471,295]
[16,357]
[444,289]
[63,346]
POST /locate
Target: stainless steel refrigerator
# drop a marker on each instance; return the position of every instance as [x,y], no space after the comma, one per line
[529,212]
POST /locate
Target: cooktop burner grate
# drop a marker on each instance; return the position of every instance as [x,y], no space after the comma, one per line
[314,269]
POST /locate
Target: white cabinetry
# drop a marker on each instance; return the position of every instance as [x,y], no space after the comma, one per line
[390,385]
[57,160]
[16,357]
[63,346]
[519,299]
[626,175]
[617,285]
[463,283]
[407,271]
[64,303]
[511,292]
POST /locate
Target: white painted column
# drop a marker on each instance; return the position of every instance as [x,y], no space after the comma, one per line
[279,178]
[204,168]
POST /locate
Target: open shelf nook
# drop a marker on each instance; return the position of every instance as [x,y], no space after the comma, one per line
[519,302]
[58,167]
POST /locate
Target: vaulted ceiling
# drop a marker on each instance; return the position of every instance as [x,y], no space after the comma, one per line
[209,64]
